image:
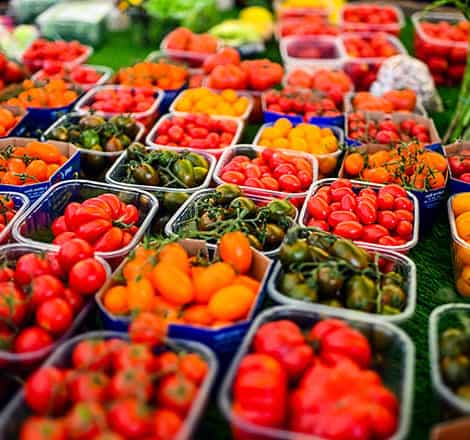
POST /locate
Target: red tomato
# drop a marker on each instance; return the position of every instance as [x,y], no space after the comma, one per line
[64,238]
[404,203]
[290,183]
[336,217]
[366,212]
[320,224]
[87,276]
[91,355]
[6,274]
[270,183]
[45,391]
[349,229]
[54,315]
[131,383]
[114,204]
[404,229]
[177,393]
[318,208]
[93,230]
[348,203]
[42,428]
[373,233]
[85,420]
[13,304]
[73,251]
[31,339]
[29,266]
[45,287]
[233,177]
[134,356]
[130,418]
[338,192]
[166,424]
[109,241]
[385,200]
[59,225]
[393,189]
[75,300]
[88,386]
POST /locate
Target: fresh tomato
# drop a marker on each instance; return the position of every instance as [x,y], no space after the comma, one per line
[73,251]
[87,276]
[45,391]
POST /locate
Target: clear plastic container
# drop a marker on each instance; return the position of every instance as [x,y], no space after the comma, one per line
[322,51]
[389,28]
[21,204]
[17,411]
[16,362]
[105,72]
[446,59]
[363,71]
[460,252]
[441,318]
[38,218]
[357,186]
[216,152]
[115,174]
[282,12]
[147,117]
[84,21]
[242,117]
[402,263]
[393,343]
[252,150]
[187,210]
[457,185]
[88,159]
[305,25]
[25,11]
[327,163]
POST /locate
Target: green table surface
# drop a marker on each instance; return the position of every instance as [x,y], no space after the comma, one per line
[431,255]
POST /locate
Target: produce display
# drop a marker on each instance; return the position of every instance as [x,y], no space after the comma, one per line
[208,294]
[459,164]
[10,72]
[391,101]
[7,211]
[147,74]
[383,216]
[83,76]
[408,165]
[198,131]
[213,213]
[201,100]
[282,383]
[365,129]
[266,169]
[370,17]
[113,388]
[334,83]
[33,163]
[42,293]
[307,48]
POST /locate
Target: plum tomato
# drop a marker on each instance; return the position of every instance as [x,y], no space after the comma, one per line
[349,229]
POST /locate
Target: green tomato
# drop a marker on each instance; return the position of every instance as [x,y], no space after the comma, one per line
[349,252]
[297,252]
[289,280]
[227,192]
[198,160]
[184,171]
[88,138]
[173,200]
[145,174]
[280,209]
[361,293]
[456,369]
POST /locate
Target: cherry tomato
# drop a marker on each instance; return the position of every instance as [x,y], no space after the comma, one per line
[64,238]
[31,339]
[42,428]
[290,183]
[54,315]
[373,233]
[87,276]
[45,287]
[404,229]
[75,300]
[85,420]
[175,392]
[45,391]
[91,355]
[13,304]
[29,266]
[73,251]
[131,382]
[59,225]
[88,386]
[403,203]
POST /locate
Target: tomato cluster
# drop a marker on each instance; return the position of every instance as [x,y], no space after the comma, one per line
[33,163]
[41,51]
[40,294]
[121,100]
[383,216]
[460,165]
[285,384]
[248,75]
[81,75]
[334,83]
[208,294]
[312,48]
[297,102]
[271,170]
[113,389]
[7,211]
[104,222]
[307,25]
[370,17]
[196,131]
[184,40]
[409,165]
[392,101]
[444,52]
[364,129]
[10,72]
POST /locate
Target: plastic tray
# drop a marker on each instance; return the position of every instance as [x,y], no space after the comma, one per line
[69,170]
[447,312]
[241,149]
[114,175]
[243,117]
[290,11]
[390,28]
[398,375]
[216,152]
[85,153]
[53,202]
[14,361]
[357,186]
[147,117]
[401,261]
[17,410]
[224,340]
[105,71]
[21,204]
[333,59]
[187,208]
[457,185]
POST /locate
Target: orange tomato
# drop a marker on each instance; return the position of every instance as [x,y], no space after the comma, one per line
[198,314]
[376,175]
[37,170]
[172,283]
[140,295]
[235,249]
[353,164]
[247,281]
[115,300]
[231,303]
[176,255]
[211,279]
[461,203]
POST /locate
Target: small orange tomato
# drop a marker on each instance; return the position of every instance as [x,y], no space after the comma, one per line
[231,303]
[172,283]
[235,249]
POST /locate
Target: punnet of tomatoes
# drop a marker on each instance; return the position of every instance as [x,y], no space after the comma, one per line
[100,385]
[322,142]
[209,214]
[380,128]
[43,296]
[195,131]
[12,205]
[306,25]
[458,156]
[111,220]
[441,41]
[404,100]
[266,170]
[299,105]
[459,219]
[331,271]
[386,216]
[369,17]
[333,83]
[10,118]
[10,72]
[214,103]
[300,372]
[182,44]
[68,53]
[86,76]
[366,51]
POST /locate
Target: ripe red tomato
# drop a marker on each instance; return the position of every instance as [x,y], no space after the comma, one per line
[45,287]
[403,203]
[31,339]
[110,240]
[59,225]
[366,212]
[29,266]
[13,304]
[404,229]
[388,219]
[348,203]
[339,216]
[318,208]
[87,276]
[91,355]
[85,420]
[349,229]
[320,224]
[134,356]
[43,428]
[166,424]
[373,233]
[385,201]
[74,251]
[54,315]
[176,393]
[88,386]
[75,300]
[6,274]
[131,383]
[45,391]
[290,183]
[93,230]
[130,418]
